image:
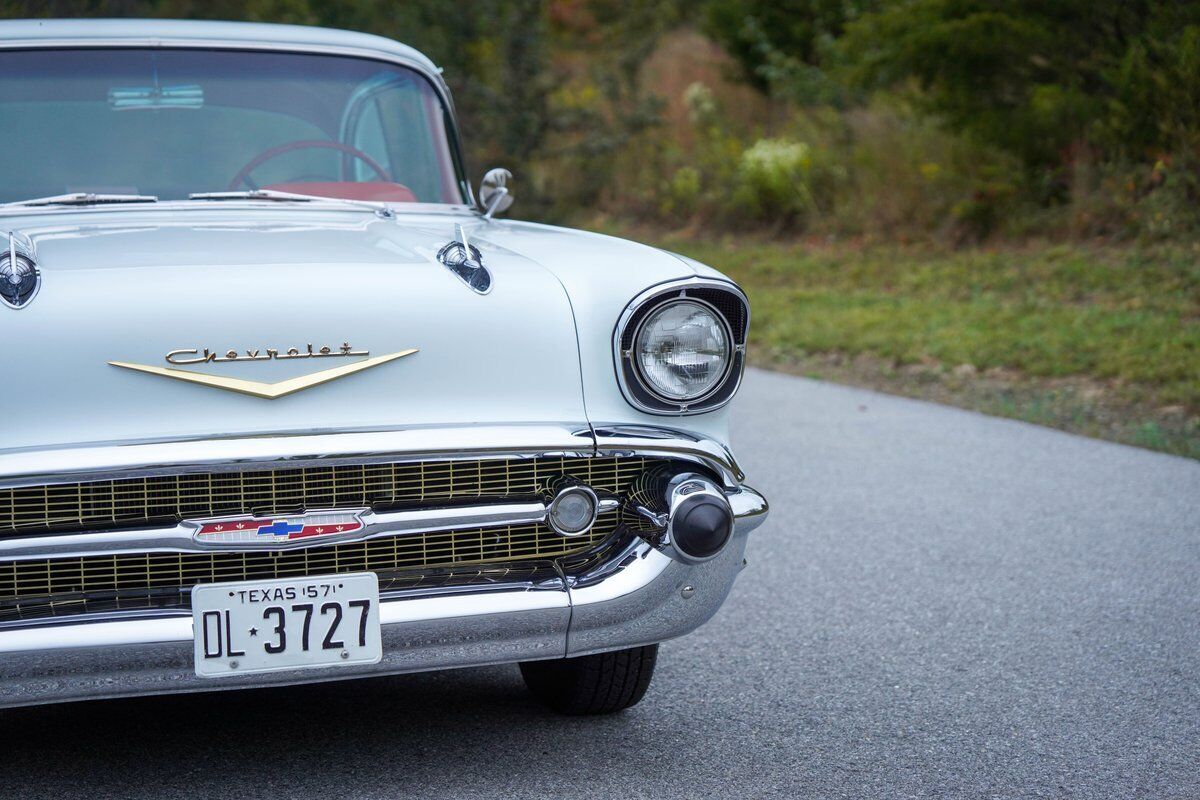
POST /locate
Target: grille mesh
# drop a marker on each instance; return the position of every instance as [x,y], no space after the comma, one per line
[70,585]
[139,502]
[58,585]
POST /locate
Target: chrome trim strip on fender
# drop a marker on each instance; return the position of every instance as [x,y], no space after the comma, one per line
[622,439]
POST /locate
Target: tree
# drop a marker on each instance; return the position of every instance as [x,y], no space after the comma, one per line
[1046,81]
[770,37]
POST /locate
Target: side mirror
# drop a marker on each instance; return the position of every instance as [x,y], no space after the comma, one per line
[494,195]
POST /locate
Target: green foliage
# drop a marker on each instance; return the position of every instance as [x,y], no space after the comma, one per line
[955,119]
[1091,96]
[683,192]
[878,171]
[1058,313]
[1120,325]
[1049,82]
[599,113]
[777,39]
[773,178]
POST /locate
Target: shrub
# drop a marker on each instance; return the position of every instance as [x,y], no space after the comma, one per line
[773,180]
[683,192]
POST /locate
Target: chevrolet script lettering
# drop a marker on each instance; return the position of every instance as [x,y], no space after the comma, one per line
[179,357]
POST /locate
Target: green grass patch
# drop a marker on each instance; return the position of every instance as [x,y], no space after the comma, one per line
[1100,340]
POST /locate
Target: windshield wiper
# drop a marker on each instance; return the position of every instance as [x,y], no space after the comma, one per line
[382,209]
[83,199]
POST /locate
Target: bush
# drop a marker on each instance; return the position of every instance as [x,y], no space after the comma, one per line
[683,193]
[773,180]
[878,171]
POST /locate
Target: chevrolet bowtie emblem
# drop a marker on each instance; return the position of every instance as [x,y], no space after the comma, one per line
[270,391]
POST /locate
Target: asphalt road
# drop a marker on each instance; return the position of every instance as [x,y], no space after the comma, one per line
[943,604]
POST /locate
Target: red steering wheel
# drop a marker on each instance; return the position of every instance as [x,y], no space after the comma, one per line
[243,175]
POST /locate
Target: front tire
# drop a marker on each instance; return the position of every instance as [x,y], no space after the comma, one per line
[597,684]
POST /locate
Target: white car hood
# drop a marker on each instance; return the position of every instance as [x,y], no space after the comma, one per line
[131,286]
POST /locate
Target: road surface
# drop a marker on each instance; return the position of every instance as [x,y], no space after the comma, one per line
[942,604]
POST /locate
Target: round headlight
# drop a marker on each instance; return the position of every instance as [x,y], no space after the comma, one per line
[683,350]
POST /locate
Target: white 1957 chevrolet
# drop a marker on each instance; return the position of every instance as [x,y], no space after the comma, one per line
[286,403]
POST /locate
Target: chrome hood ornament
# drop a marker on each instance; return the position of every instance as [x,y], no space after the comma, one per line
[20,277]
[464,260]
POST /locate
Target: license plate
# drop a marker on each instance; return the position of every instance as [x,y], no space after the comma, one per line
[266,626]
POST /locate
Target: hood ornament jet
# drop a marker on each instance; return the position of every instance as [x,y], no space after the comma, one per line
[20,277]
[464,260]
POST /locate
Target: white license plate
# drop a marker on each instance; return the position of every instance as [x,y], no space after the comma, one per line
[265,626]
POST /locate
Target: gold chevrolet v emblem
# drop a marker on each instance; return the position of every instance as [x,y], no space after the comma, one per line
[270,391]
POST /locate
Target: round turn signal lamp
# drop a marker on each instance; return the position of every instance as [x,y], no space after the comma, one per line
[573,511]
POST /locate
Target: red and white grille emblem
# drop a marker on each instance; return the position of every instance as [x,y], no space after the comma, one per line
[273,530]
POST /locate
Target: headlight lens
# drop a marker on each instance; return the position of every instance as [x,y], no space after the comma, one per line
[683,350]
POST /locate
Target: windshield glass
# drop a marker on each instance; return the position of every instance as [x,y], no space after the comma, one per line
[173,122]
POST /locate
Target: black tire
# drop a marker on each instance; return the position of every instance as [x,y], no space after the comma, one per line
[599,684]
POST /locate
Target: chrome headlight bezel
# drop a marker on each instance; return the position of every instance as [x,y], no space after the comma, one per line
[722,298]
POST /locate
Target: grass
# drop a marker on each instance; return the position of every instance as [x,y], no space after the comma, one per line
[1103,341]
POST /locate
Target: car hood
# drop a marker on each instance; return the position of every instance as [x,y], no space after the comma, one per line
[252,286]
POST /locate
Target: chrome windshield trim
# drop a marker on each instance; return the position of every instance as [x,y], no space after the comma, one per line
[318,204]
[181,538]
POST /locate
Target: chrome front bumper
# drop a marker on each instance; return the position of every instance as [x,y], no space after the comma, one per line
[638,596]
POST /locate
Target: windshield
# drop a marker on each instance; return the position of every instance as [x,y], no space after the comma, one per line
[170,123]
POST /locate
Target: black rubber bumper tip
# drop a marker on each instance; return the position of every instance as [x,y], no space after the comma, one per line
[702,525]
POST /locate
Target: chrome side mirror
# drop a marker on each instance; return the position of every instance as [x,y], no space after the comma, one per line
[494,195]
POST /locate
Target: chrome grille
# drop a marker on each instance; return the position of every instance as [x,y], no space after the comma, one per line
[142,502]
[77,584]
[56,586]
